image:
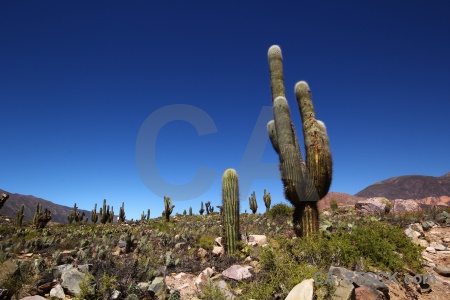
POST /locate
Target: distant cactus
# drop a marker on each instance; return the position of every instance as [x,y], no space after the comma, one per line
[230,202]
[94,215]
[253,203]
[220,207]
[148,214]
[75,215]
[334,206]
[208,207]
[190,210]
[104,213]
[111,215]
[20,215]
[36,214]
[202,209]
[304,183]
[168,207]
[267,199]
[143,216]
[3,199]
[184,212]
[122,213]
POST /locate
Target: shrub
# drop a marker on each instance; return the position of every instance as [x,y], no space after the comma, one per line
[281,209]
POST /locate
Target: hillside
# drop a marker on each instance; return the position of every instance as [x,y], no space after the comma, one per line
[12,205]
[410,187]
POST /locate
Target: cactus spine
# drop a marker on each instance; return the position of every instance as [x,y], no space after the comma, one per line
[304,183]
[122,213]
[20,216]
[230,203]
[253,203]
[168,207]
[267,200]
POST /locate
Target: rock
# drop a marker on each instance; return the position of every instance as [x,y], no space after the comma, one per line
[344,292]
[202,253]
[222,285]
[423,243]
[132,297]
[440,218]
[7,270]
[115,295]
[442,270]
[411,233]
[71,280]
[418,228]
[57,292]
[446,240]
[59,270]
[371,206]
[438,246]
[219,241]
[400,206]
[36,297]
[302,291]
[218,251]
[142,286]
[237,272]
[257,240]
[180,246]
[202,278]
[430,250]
[427,225]
[363,293]
[157,286]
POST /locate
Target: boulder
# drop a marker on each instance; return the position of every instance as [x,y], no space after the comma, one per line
[237,272]
[302,291]
[71,280]
[400,206]
[372,206]
[442,270]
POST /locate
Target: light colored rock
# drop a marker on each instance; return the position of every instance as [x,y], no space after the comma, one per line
[368,207]
[400,206]
[417,227]
[442,270]
[202,278]
[438,246]
[157,285]
[430,250]
[36,297]
[71,280]
[423,243]
[115,295]
[57,292]
[237,272]
[344,292]
[257,239]
[219,241]
[302,291]
[218,251]
[411,233]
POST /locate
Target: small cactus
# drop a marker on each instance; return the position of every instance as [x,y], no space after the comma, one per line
[20,216]
[202,209]
[230,202]
[267,199]
[122,213]
[253,203]
[168,207]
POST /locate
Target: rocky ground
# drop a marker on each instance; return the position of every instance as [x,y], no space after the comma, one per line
[158,260]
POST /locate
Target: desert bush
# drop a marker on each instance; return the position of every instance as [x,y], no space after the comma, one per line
[281,209]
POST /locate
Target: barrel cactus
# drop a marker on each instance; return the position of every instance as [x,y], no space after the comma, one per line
[230,203]
[305,182]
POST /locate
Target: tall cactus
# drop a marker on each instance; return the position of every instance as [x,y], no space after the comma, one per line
[111,214]
[20,215]
[148,214]
[37,213]
[304,183]
[104,213]
[230,203]
[94,215]
[267,200]
[168,207]
[122,213]
[253,203]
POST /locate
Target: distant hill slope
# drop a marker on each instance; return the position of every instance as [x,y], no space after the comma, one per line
[342,199]
[59,212]
[409,187]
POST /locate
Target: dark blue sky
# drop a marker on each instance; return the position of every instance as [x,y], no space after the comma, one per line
[79,78]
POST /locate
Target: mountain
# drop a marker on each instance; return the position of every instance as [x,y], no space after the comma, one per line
[428,189]
[12,205]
